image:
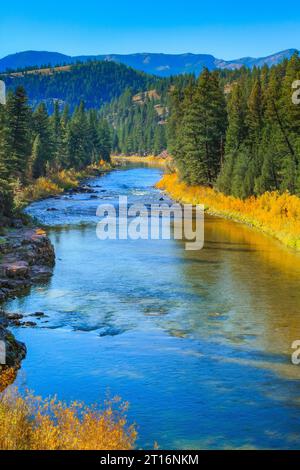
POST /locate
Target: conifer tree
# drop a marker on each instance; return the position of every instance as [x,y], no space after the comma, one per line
[17,146]
[41,125]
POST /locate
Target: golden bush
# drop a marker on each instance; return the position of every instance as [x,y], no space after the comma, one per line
[32,423]
[274,213]
[41,188]
[65,179]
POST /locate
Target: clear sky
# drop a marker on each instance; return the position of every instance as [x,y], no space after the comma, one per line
[227,29]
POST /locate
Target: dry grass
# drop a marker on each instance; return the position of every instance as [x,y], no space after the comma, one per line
[65,179]
[32,423]
[42,71]
[149,159]
[41,188]
[273,213]
[140,98]
[56,182]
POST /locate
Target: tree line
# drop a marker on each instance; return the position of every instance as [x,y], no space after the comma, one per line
[139,120]
[94,82]
[137,127]
[34,143]
[238,130]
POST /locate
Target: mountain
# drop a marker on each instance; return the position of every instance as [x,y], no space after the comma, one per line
[162,65]
[21,60]
[95,82]
[250,62]
[165,65]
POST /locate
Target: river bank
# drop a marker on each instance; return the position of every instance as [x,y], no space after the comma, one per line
[275,214]
[151,160]
[27,255]
[26,258]
[58,183]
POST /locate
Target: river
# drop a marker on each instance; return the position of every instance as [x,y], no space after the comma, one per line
[198,342]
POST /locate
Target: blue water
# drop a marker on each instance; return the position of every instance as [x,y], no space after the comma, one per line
[199,343]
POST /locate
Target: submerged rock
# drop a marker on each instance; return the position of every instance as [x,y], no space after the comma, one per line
[13,316]
[28,323]
[80,189]
[38,314]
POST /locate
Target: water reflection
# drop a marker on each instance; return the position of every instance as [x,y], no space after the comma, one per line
[206,332]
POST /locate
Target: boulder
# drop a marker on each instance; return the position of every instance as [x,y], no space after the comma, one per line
[38,314]
[16,270]
[13,316]
[27,257]
[28,323]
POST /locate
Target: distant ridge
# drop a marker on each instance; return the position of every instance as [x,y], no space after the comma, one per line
[159,64]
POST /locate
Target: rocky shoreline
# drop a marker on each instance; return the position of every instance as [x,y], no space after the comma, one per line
[26,258]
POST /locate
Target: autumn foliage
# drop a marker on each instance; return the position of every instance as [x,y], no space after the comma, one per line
[32,423]
[57,182]
[274,213]
[149,159]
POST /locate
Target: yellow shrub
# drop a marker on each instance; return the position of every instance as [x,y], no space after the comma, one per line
[7,377]
[32,423]
[149,159]
[65,179]
[56,183]
[42,187]
[274,213]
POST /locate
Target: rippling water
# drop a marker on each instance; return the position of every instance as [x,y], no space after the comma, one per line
[199,343]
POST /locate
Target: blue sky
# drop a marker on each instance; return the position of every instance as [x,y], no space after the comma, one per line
[226,29]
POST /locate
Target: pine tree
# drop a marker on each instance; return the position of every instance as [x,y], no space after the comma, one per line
[105,140]
[225,178]
[159,143]
[78,144]
[42,129]
[237,128]
[57,136]
[36,156]
[16,145]
[200,143]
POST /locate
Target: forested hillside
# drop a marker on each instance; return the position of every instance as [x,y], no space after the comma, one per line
[95,82]
[34,144]
[138,123]
[138,120]
[238,131]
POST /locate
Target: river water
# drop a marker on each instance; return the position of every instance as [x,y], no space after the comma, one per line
[198,342]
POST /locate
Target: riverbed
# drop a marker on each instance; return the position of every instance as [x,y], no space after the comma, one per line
[198,342]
